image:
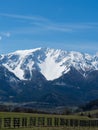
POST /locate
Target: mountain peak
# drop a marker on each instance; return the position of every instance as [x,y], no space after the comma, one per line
[25,52]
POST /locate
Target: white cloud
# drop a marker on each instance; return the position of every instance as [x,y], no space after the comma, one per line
[0,38]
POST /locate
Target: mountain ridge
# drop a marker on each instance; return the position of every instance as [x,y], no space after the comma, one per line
[45,59]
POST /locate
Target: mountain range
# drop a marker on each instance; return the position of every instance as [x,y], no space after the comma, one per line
[48,76]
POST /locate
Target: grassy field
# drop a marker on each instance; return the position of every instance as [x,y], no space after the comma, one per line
[15,114]
[60,128]
[91,112]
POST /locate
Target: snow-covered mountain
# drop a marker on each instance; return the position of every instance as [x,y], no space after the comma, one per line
[50,76]
[51,63]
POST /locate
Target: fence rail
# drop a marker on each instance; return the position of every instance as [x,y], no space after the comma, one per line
[28,122]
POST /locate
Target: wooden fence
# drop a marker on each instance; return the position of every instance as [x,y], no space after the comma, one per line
[13,122]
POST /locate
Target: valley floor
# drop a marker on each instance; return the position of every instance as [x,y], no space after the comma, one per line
[52,128]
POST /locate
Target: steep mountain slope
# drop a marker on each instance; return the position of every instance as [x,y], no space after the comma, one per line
[8,84]
[48,76]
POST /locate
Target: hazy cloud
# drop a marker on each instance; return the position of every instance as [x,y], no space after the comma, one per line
[4,34]
[35,18]
[66,27]
[0,38]
[38,24]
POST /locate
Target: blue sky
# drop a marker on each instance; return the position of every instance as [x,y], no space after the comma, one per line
[60,24]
